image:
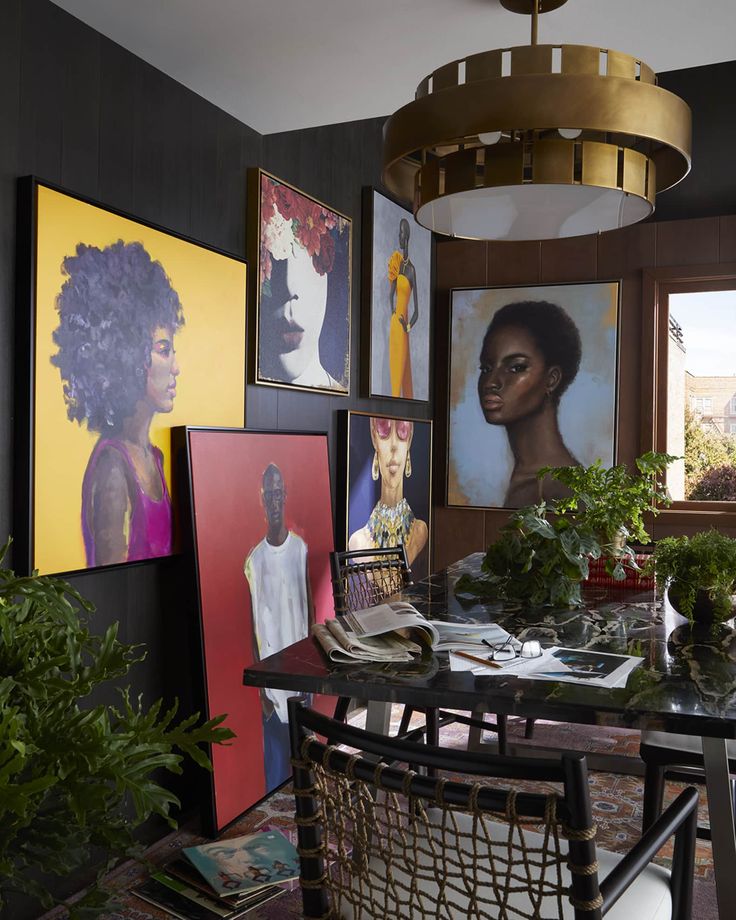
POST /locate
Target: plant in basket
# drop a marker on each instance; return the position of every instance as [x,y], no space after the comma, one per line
[611,504]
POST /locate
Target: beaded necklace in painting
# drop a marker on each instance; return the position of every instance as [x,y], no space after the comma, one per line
[390,525]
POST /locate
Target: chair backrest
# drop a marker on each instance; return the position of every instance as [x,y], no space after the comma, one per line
[364,577]
[388,841]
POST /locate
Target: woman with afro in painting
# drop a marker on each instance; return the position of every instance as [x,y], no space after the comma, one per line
[118,314]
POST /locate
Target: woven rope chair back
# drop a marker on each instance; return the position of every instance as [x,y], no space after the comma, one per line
[380,841]
[363,578]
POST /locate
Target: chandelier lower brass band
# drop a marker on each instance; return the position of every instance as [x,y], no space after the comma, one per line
[633,141]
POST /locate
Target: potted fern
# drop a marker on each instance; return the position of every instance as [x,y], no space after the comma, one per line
[699,574]
[68,769]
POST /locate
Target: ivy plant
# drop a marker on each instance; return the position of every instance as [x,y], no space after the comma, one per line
[544,552]
[536,560]
[611,502]
[76,778]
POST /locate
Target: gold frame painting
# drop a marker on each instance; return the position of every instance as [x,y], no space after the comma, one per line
[302,251]
[533,382]
[388,485]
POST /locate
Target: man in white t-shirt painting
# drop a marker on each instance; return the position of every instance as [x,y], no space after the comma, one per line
[283,613]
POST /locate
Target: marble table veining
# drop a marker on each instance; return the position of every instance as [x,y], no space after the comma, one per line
[687,682]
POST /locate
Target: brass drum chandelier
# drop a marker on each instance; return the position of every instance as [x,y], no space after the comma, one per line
[536,142]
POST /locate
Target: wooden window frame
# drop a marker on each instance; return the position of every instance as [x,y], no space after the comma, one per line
[657,286]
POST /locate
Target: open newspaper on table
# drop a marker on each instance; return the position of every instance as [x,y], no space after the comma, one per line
[397,631]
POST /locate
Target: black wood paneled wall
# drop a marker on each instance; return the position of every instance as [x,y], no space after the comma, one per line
[710,188]
[80,111]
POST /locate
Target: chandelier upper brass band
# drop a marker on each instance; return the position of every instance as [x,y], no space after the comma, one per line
[635,136]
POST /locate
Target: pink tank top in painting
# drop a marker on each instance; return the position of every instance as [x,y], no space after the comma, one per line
[150,520]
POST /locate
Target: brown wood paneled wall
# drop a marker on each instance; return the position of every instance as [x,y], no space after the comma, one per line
[621,254]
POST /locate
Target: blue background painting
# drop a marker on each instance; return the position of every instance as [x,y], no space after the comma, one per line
[363,492]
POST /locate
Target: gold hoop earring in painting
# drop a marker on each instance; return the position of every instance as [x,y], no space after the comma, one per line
[374,468]
[407,468]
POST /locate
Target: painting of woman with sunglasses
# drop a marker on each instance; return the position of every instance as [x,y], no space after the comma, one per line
[389,483]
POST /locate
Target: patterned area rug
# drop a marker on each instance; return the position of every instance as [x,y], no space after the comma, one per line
[616,803]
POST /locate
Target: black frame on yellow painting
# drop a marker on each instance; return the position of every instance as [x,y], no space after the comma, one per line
[131,330]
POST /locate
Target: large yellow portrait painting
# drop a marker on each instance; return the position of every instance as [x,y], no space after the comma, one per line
[136,331]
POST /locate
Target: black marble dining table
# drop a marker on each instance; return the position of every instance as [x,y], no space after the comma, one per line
[685,684]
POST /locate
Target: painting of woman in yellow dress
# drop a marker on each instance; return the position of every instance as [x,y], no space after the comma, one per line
[400,309]
[403,278]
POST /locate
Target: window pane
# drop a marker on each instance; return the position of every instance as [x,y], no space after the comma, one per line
[701,396]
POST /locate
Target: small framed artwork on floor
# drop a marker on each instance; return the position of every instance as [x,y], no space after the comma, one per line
[131,330]
[397,285]
[388,485]
[533,383]
[302,248]
[263,534]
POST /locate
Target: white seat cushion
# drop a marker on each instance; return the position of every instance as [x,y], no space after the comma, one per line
[648,898]
[691,744]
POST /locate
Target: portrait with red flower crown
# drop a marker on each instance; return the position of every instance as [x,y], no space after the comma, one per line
[304,278]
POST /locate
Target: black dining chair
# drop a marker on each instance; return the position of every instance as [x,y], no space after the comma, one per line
[379,840]
[679,757]
[363,578]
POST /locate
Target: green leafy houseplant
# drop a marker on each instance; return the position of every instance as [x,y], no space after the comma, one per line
[699,572]
[69,769]
[536,560]
[545,551]
[611,503]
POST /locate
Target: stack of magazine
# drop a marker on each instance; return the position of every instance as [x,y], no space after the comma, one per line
[223,880]
[399,632]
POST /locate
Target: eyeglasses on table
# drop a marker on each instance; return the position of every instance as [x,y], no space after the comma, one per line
[506,651]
